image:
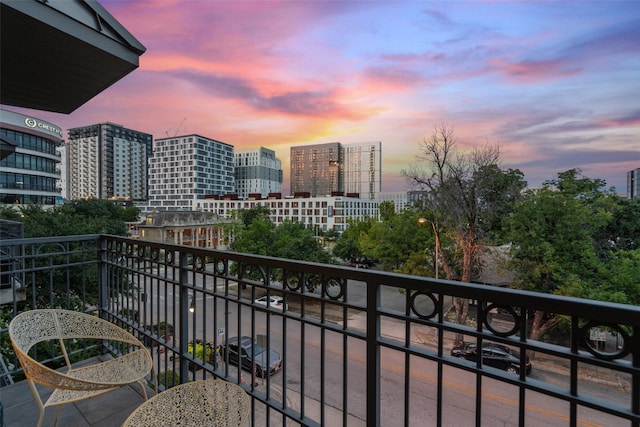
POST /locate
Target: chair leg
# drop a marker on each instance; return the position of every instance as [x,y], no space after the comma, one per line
[40,417]
[143,389]
[57,416]
[32,386]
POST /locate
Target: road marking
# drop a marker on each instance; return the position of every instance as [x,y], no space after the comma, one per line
[452,385]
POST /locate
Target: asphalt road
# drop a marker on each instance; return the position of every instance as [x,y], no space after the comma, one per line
[314,376]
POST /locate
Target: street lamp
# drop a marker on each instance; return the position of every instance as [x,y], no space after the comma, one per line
[434,225]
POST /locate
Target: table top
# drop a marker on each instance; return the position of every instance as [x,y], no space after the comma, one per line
[197,403]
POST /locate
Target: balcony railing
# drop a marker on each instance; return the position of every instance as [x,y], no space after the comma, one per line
[358,347]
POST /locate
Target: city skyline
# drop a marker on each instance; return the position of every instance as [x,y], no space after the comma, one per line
[554,83]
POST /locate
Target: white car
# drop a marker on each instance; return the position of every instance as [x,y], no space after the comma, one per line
[273,302]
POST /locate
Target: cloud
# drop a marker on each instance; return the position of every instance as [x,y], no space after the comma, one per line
[561,57]
[631,119]
[535,71]
[318,103]
[613,40]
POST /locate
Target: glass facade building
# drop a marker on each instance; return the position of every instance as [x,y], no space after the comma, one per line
[317,169]
[325,169]
[30,170]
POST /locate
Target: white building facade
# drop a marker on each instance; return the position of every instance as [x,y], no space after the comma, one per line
[319,213]
[400,199]
[186,168]
[257,172]
[107,161]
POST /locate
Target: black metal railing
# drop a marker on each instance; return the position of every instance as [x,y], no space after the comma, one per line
[357,347]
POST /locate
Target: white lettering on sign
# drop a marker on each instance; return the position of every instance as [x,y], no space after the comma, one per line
[33,123]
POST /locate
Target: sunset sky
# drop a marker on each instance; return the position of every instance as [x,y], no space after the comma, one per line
[555,83]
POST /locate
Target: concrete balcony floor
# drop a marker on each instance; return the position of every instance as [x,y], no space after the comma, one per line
[107,410]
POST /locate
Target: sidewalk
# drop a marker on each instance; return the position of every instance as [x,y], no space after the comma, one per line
[556,365]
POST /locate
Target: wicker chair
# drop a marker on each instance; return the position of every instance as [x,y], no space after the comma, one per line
[199,403]
[32,327]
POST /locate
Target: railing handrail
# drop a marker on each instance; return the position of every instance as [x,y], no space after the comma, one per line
[608,312]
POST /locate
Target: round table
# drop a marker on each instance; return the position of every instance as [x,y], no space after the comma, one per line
[197,403]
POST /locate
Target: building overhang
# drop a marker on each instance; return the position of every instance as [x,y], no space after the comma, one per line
[56,55]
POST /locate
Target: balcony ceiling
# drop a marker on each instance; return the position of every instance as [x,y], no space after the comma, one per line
[56,55]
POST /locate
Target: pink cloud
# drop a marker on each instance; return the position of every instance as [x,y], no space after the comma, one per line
[618,122]
[534,71]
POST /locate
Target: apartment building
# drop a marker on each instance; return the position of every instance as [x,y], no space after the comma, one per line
[257,172]
[186,168]
[321,213]
[323,169]
[316,169]
[362,168]
[107,161]
[633,184]
[29,160]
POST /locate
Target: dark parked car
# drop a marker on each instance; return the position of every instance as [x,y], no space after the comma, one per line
[251,354]
[495,355]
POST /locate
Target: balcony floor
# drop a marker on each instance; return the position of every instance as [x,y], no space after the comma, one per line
[107,410]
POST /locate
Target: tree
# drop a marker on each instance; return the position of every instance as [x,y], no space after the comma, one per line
[553,250]
[348,245]
[289,240]
[573,183]
[255,238]
[81,216]
[499,192]
[347,249]
[460,195]
[393,242]
[92,216]
[257,212]
[621,279]
[622,233]
[294,241]
[387,210]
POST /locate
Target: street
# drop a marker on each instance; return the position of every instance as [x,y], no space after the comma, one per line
[308,369]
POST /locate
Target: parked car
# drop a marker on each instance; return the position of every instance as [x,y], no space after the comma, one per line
[495,355]
[251,355]
[273,301]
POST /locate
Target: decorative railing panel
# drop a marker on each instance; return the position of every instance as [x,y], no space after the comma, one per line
[361,347]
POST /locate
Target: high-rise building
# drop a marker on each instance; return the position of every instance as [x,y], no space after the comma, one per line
[184,168]
[107,161]
[633,184]
[325,169]
[257,172]
[316,169]
[29,161]
[362,166]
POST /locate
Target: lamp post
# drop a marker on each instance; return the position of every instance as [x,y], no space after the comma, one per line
[192,305]
[434,225]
